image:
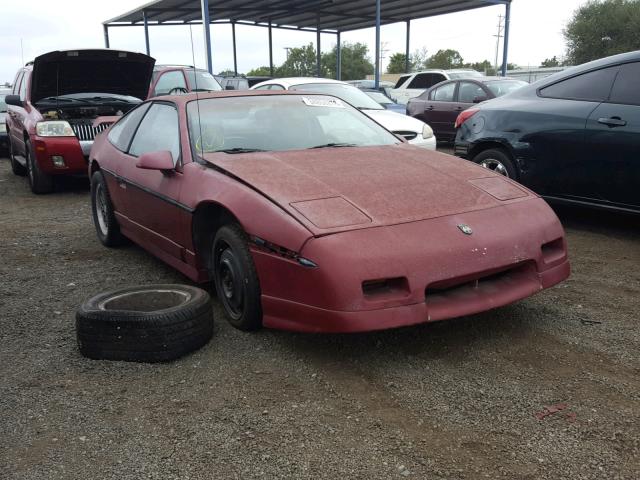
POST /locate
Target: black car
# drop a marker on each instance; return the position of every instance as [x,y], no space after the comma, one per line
[572,137]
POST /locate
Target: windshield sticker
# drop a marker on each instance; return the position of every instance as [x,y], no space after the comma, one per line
[323,102]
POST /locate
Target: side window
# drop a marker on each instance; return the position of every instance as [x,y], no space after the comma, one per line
[436,78]
[445,92]
[592,86]
[16,83]
[120,134]
[401,81]
[263,87]
[158,131]
[277,87]
[169,81]
[626,90]
[23,86]
[468,92]
[421,81]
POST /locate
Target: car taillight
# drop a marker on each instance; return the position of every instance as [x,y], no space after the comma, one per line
[464,116]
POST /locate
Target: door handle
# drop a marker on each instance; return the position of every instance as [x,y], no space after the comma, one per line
[613,122]
[458,109]
[430,107]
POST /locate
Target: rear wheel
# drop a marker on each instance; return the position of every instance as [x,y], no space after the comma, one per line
[39,181]
[235,278]
[16,167]
[497,160]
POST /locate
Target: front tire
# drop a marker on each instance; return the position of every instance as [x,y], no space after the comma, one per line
[497,160]
[104,218]
[39,181]
[235,278]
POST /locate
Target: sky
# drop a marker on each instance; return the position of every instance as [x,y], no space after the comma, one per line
[34,27]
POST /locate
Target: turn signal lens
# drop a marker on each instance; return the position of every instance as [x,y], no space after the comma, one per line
[55,128]
[466,115]
[427,132]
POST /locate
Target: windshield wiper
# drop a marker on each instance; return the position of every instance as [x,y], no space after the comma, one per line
[334,145]
[240,150]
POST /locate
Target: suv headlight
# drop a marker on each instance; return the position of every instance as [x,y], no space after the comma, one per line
[427,132]
[55,128]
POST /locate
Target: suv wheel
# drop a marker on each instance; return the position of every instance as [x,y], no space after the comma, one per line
[497,160]
[39,181]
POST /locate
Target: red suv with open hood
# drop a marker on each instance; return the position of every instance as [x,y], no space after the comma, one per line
[61,101]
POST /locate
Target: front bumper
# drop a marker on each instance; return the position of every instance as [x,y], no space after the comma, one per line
[69,148]
[445,273]
[461,149]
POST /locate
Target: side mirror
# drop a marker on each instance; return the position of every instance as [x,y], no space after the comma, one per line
[229,87]
[162,160]
[480,99]
[13,100]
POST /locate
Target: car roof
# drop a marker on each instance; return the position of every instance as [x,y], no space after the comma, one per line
[290,81]
[188,97]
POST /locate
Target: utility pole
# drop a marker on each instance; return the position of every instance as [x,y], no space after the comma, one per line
[383,50]
[498,37]
[288,49]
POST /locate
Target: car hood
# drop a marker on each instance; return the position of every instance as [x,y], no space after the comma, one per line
[85,71]
[338,189]
[396,122]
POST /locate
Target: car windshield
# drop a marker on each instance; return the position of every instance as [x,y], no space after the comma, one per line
[502,87]
[381,98]
[279,122]
[3,105]
[202,81]
[348,93]
[465,74]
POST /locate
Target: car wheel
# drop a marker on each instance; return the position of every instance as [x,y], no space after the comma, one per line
[497,160]
[235,278]
[150,323]
[104,219]
[39,181]
[16,167]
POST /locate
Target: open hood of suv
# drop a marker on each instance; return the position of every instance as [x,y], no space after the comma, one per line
[86,71]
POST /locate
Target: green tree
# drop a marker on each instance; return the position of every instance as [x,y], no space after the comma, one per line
[485,67]
[356,64]
[259,72]
[398,63]
[601,28]
[227,73]
[419,59]
[551,62]
[445,59]
[301,62]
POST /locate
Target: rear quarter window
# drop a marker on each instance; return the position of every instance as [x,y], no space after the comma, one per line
[121,133]
[625,89]
[401,81]
[592,86]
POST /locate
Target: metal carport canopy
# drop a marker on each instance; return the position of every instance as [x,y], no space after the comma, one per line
[326,16]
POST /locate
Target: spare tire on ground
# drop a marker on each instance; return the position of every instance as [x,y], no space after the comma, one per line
[146,323]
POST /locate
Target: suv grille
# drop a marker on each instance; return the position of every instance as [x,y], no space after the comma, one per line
[86,131]
[406,134]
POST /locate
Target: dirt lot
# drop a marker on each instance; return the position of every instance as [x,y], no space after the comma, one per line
[451,400]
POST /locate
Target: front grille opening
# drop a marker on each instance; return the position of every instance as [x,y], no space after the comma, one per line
[553,251]
[85,130]
[484,282]
[386,287]
[406,134]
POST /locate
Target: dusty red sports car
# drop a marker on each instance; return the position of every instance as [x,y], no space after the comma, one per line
[309,216]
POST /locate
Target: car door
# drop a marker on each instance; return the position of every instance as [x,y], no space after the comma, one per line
[17,115]
[554,127]
[151,206]
[613,138]
[439,109]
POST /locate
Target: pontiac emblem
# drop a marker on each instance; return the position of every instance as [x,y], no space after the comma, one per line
[466,229]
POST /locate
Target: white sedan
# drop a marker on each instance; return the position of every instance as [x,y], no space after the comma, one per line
[413,130]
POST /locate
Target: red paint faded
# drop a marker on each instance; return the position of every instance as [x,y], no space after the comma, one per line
[362,215]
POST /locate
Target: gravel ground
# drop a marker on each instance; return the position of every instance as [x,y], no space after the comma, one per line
[450,400]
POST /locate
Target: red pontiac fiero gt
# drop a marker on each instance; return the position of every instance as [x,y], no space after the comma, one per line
[309,216]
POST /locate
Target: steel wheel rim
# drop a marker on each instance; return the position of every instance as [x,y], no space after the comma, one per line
[101,209]
[495,165]
[229,281]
